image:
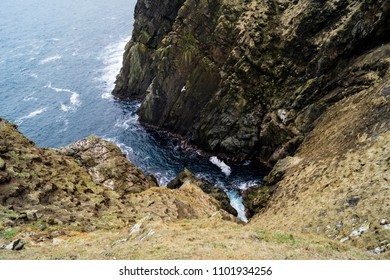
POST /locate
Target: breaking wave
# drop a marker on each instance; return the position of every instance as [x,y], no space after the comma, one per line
[112,59]
[223,166]
[74,100]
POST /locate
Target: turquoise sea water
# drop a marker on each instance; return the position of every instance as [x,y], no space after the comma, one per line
[58,62]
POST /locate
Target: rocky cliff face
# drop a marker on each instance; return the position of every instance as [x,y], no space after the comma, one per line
[88,185]
[337,184]
[250,79]
[153,20]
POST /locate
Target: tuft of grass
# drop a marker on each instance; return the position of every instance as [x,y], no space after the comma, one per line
[7,214]
[10,233]
[275,237]
[284,238]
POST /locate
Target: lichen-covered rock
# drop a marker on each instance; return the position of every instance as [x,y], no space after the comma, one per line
[153,20]
[337,184]
[58,189]
[108,166]
[87,185]
[255,198]
[251,78]
[303,81]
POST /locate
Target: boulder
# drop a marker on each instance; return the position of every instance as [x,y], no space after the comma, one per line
[16,245]
[255,198]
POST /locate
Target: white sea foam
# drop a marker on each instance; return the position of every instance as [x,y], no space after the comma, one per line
[127,150]
[236,203]
[30,97]
[65,108]
[223,166]
[129,121]
[66,126]
[164,178]
[50,59]
[31,115]
[112,59]
[247,185]
[74,99]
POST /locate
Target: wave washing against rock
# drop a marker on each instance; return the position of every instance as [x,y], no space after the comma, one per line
[237,203]
[112,60]
[223,166]
[127,150]
[128,122]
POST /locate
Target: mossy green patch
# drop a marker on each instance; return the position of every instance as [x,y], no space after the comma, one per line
[10,233]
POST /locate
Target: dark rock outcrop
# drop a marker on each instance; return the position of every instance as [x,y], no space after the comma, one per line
[153,20]
[15,245]
[217,193]
[255,198]
[251,78]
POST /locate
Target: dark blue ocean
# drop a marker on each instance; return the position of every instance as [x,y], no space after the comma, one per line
[58,62]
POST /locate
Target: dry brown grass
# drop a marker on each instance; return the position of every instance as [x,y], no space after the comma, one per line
[340,179]
[211,238]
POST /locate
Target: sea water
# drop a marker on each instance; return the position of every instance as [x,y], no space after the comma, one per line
[58,63]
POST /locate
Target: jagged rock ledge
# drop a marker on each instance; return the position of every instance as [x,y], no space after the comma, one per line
[87,185]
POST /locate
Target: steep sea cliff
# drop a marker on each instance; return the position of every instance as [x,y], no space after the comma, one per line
[303,86]
[251,79]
